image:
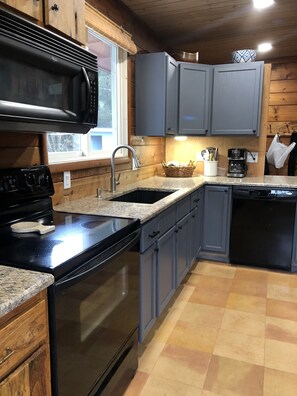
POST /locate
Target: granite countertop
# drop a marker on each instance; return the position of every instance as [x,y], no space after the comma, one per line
[183,186]
[18,285]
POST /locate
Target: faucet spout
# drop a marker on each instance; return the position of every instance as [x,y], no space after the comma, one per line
[135,164]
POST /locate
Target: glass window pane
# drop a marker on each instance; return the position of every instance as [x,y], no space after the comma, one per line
[63,142]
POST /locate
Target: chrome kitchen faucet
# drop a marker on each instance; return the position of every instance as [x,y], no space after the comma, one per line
[135,165]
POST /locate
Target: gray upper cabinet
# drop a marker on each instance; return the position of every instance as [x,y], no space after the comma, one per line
[156,94]
[236,99]
[194,96]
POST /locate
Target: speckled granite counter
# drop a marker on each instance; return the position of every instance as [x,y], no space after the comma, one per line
[184,186]
[17,286]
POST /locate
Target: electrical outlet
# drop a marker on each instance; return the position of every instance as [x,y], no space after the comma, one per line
[67,179]
[252,157]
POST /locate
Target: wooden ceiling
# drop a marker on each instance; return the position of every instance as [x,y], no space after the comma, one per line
[215,28]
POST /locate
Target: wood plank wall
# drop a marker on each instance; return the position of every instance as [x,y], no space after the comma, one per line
[282,115]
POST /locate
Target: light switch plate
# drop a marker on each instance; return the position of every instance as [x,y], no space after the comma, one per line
[67,179]
[252,157]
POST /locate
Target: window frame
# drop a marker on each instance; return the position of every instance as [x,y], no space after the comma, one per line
[120,108]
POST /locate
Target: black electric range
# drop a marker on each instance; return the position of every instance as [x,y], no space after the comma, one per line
[25,196]
[94,301]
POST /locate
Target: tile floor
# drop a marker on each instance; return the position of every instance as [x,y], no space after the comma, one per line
[230,331]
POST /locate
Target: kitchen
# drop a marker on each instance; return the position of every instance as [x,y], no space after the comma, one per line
[22,150]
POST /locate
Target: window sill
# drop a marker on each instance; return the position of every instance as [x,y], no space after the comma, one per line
[85,164]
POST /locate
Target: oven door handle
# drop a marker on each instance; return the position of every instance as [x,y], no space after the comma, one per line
[95,264]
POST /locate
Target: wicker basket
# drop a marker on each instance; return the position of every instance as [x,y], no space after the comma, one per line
[178,171]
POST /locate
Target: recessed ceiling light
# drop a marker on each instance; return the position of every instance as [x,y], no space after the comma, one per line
[262,3]
[264,47]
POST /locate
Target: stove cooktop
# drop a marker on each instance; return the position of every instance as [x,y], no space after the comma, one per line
[76,238]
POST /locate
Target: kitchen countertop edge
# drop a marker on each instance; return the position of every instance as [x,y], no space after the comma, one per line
[19,285]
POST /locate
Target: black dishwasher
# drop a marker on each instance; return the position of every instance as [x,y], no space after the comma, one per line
[262,226]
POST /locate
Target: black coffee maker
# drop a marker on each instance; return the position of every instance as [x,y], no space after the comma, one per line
[237,165]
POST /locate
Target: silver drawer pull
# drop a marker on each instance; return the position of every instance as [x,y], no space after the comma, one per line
[9,353]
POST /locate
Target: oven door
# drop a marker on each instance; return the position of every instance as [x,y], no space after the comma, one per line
[94,313]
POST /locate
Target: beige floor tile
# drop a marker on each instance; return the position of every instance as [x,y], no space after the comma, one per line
[281,355]
[185,293]
[210,282]
[249,287]
[216,298]
[150,356]
[202,315]
[157,386]
[214,269]
[281,329]
[241,347]
[193,337]
[187,366]
[243,302]
[233,378]
[164,331]
[244,323]
[254,275]
[278,383]
[281,309]
[137,384]
[282,292]
[279,278]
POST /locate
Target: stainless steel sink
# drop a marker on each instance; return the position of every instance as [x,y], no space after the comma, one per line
[143,196]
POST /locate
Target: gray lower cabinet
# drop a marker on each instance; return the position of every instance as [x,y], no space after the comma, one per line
[148,261]
[156,92]
[237,98]
[196,224]
[216,222]
[165,282]
[294,253]
[182,231]
[194,98]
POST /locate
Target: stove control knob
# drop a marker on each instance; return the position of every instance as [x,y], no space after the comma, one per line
[30,179]
[43,180]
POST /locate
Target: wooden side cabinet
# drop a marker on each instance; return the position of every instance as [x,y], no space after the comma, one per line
[24,350]
[67,17]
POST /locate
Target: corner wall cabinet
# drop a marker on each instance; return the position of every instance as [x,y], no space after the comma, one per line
[237,98]
[194,99]
[67,17]
[24,350]
[156,79]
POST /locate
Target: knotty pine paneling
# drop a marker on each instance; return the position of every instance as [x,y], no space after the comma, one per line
[282,115]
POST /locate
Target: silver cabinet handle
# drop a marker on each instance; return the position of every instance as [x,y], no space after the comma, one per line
[9,353]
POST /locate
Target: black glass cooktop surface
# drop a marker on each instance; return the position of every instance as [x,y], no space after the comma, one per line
[76,238]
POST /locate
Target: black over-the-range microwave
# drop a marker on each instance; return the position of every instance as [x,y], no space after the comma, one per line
[47,83]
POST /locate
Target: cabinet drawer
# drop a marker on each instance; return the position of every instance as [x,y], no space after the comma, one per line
[149,234]
[22,336]
[167,219]
[183,208]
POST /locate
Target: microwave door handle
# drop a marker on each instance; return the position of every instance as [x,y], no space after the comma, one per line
[88,94]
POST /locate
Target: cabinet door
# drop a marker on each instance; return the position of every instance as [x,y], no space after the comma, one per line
[147,291]
[156,78]
[216,219]
[33,8]
[32,378]
[67,17]
[194,90]
[237,97]
[182,248]
[171,96]
[165,269]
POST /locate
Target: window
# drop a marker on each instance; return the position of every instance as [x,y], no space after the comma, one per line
[112,128]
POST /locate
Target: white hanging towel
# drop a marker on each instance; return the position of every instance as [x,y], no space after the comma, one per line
[278,152]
